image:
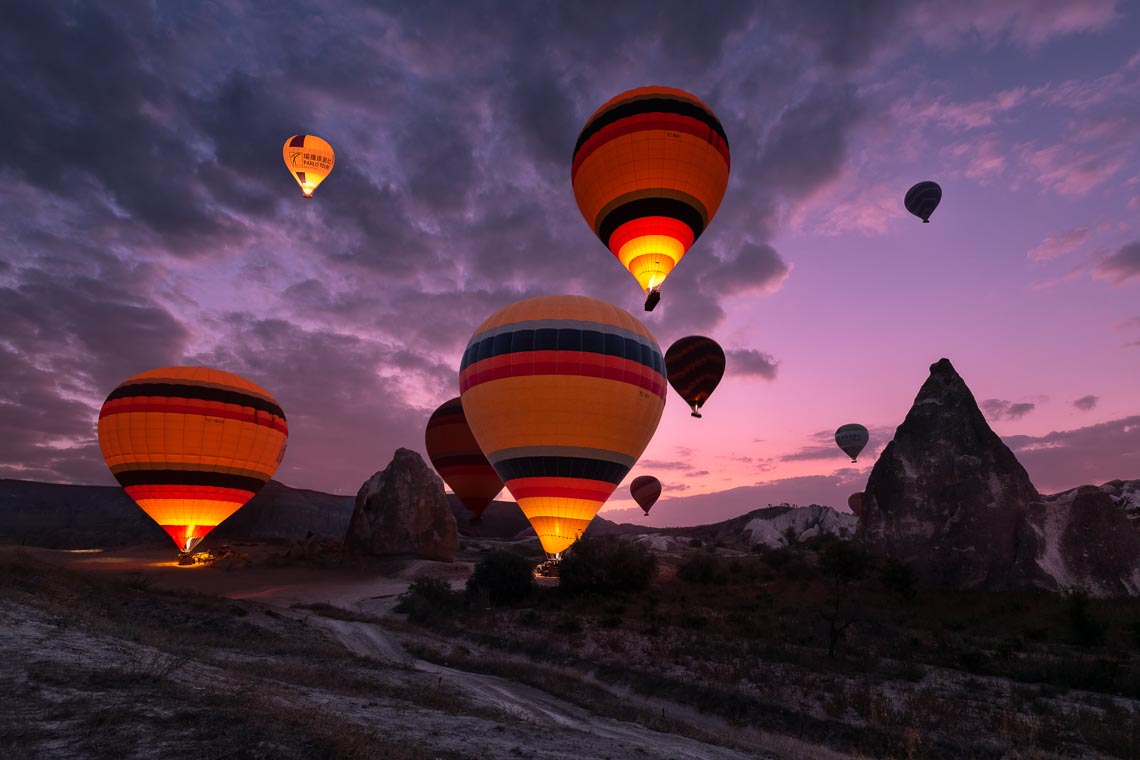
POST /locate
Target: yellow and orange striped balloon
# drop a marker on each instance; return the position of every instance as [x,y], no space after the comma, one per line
[191,445]
[563,394]
[649,172]
[310,160]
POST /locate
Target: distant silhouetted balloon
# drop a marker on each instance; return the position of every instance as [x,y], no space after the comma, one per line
[310,160]
[852,438]
[563,394]
[649,171]
[695,366]
[645,490]
[191,445]
[855,502]
[922,199]
[458,459]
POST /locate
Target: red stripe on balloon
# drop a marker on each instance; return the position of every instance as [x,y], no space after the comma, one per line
[652,225]
[205,493]
[564,488]
[579,363]
[130,405]
[646,122]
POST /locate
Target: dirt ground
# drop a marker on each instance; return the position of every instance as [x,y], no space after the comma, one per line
[483,716]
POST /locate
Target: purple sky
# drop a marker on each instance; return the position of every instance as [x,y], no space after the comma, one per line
[148,220]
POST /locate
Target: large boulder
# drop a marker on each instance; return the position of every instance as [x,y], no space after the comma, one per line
[947,495]
[403,510]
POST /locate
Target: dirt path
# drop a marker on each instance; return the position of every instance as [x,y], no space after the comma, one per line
[527,703]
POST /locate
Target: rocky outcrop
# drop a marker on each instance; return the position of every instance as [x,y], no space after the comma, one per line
[947,494]
[403,510]
[949,497]
[1079,539]
[799,525]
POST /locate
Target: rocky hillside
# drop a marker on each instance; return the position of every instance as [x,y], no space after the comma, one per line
[948,496]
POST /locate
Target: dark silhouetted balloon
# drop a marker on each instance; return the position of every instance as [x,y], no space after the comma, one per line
[855,502]
[922,199]
[852,438]
[645,490]
[695,365]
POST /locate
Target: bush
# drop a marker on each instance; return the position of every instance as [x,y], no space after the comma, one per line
[898,578]
[605,565]
[704,568]
[1088,629]
[504,577]
[426,600]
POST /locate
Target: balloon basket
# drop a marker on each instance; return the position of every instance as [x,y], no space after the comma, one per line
[185,559]
[652,299]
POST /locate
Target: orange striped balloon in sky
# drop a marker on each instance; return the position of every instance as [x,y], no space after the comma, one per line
[458,459]
[191,445]
[649,171]
[563,394]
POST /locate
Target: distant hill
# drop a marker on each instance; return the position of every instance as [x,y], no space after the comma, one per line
[77,517]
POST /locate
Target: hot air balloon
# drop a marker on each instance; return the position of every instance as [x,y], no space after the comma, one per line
[852,438]
[855,503]
[649,171]
[563,394]
[695,366]
[645,490]
[310,160]
[457,458]
[191,445]
[922,199]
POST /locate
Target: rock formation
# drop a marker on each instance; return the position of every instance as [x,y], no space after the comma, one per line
[800,525]
[948,496]
[403,510]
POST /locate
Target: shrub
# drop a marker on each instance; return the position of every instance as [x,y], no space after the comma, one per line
[1088,629]
[504,577]
[708,569]
[606,564]
[427,599]
[898,578]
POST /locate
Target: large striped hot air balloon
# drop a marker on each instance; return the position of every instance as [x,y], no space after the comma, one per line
[649,171]
[563,394]
[922,199]
[458,459]
[852,438]
[645,490]
[191,445]
[695,365]
[310,160]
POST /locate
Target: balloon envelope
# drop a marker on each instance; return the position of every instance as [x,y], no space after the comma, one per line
[458,459]
[645,490]
[855,503]
[695,366]
[649,171]
[191,445]
[563,394]
[310,160]
[852,438]
[922,199]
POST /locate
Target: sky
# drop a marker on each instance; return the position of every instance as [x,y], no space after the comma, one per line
[148,220]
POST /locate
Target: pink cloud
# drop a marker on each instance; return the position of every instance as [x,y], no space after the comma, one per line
[984,157]
[1029,23]
[1122,265]
[1068,172]
[962,116]
[1060,243]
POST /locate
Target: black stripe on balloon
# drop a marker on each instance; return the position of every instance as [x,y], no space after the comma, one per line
[642,207]
[563,339]
[200,392]
[650,105]
[188,478]
[298,141]
[561,467]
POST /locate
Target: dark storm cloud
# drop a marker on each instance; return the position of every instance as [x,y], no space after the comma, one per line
[999,409]
[1122,265]
[143,131]
[747,361]
[1090,455]
[1086,403]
